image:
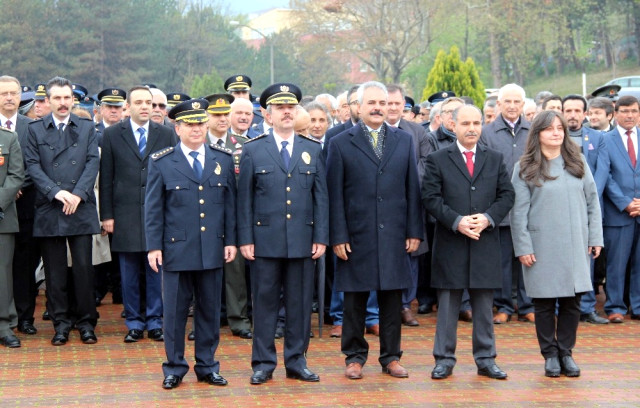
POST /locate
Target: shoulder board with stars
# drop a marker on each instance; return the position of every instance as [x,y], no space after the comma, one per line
[313,139]
[220,148]
[256,138]
[162,153]
[5,128]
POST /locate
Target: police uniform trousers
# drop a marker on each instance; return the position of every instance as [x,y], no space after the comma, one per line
[8,315]
[178,289]
[268,276]
[482,338]
[132,266]
[236,297]
[63,286]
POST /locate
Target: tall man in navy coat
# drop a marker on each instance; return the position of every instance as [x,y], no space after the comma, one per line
[191,232]
[376,221]
[283,227]
[621,212]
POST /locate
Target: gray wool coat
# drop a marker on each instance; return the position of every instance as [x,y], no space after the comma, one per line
[556,222]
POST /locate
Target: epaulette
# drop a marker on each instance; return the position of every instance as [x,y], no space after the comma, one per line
[5,128]
[313,139]
[220,148]
[256,138]
[161,153]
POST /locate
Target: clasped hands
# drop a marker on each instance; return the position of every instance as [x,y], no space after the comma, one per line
[634,207]
[69,201]
[472,225]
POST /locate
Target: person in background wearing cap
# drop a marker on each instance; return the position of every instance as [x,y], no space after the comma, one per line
[41,103]
[27,106]
[190,225]
[235,279]
[238,86]
[126,147]
[282,171]
[241,117]
[111,105]
[63,162]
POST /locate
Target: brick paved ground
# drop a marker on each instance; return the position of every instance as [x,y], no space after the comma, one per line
[114,374]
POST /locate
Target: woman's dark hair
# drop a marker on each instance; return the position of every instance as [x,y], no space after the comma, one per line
[534,167]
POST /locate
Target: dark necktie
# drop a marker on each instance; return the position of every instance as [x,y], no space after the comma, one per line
[142,143]
[469,156]
[284,153]
[197,166]
[61,128]
[631,149]
[220,143]
[8,124]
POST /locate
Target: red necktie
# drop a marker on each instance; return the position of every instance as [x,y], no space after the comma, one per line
[469,156]
[8,124]
[631,149]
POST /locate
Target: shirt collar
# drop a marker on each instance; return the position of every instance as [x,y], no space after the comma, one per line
[57,122]
[623,131]
[135,126]
[464,149]
[186,150]
[13,119]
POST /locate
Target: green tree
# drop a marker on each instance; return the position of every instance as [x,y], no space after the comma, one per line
[449,73]
[206,84]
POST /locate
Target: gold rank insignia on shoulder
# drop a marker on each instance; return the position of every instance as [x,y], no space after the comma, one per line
[306,157]
[256,138]
[313,139]
[162,153]
[218,169]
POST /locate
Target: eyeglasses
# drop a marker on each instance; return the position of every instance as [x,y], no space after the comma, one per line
[629,111]
[158,105]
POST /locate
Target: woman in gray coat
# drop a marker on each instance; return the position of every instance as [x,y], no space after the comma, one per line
[556,226]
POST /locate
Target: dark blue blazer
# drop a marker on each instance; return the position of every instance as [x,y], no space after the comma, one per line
[375,207]
[282,212]
[623,184]
[190,220]
[595,150]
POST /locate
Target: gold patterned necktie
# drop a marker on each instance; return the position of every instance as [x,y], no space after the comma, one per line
[374,136]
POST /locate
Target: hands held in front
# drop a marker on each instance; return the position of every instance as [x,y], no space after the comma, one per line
[594,251]
[230,253]
[69,201]
[317,250]
[473,225]
[634,207]
[412,244]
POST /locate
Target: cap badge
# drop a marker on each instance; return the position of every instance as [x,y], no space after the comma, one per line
[195,105]
[284,88]
[40,87]
[176,97]
[239,78]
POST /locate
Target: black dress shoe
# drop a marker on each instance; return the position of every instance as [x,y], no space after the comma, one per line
[552,367]
[27,328]
[133,336]
[441,371]
[304,375]
[60,338]
[425,309]
[493,371]
[192,335]
[261,377]
[155,334]
[213,379]
[10,341]
[593,318]
[635,317]
[244,334]
[45,315]
[569,367]
[171,381]
[279,333]
[88,336]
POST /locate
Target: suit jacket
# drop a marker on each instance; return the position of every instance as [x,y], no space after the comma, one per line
[623,184]
[449,192]
[123,181]
[11,179]
[282,212]
[595,151]
[190,220]
[26,203]
[69,162]
[375,207]
[251,132]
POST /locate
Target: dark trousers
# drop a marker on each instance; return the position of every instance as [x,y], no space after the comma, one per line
[354,345]
[236,295]
[63,286]
[26,258]
[557,336]
[295,277]
[132,266]
[511,270]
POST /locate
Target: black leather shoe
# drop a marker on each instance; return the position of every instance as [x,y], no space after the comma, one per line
[98,301]
[192,335]
[45,315]
[213,379]
[27,328]
[425,309]
[569,367]
[304,375]
[123,315]
[10,341]
[133,336]
[60,338]
[171,381]
[441,371]
[261,377]
[552,367]
[155,334]
[279,333]
[88,336]
[493,371]
[593,318]
[244,334]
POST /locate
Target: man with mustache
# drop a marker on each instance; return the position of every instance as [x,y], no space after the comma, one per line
[240,118]
[158,106]
[111,109]
[63,161]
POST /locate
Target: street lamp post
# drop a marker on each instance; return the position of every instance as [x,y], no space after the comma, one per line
[266,39]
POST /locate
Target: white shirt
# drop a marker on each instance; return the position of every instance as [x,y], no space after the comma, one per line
[634,137]
[186,152]
[214,139]
[464,149]
[136,134]
[56,122]
[13,120]
[279,141]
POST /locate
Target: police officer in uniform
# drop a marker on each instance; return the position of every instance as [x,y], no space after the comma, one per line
[191,232]
[282,227]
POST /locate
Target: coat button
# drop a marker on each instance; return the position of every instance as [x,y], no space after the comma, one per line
[51,147]
[201,215]
[73,162]
[58,183]
[143,169]
[55,164]
[381,226]
[73,182]
[177,187]
[258,223]
[288,189]
[264,171]
[201,201]
[203,229]
[473,188]
[308,172]
[219,184]
[200,188]
[288,202]
[379,198]
[288,216]
[173,240]
[289,175]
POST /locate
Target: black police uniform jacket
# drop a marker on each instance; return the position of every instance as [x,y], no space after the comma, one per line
[190,220]
[282,212]
[63,162]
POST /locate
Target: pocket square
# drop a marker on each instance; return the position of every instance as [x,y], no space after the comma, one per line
[591,146]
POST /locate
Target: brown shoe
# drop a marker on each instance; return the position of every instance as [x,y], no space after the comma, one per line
[501,318]
[336,331]
[408,319]
[394,369]
[375,330]
[353,371]
[529,317]
[466,316]
[616,318]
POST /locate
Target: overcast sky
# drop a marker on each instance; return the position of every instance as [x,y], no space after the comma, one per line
[252,6]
